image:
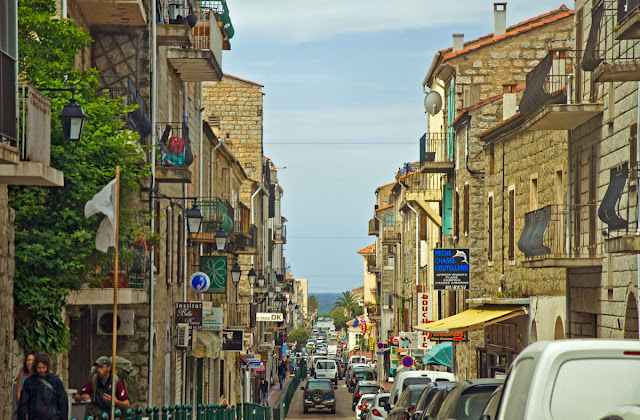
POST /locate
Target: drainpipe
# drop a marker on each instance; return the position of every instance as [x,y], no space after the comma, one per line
[154,117]
[637,212]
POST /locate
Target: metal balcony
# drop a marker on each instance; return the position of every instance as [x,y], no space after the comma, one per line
[372,265]
[280,234]
[174,22]
[241,315]
[436,152]
[114,12]
[561,235]
[174,156]
[628,19]
[126,92]
[549,99]
[610,59]
[217,213]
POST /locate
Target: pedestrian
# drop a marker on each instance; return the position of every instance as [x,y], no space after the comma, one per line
[264,392]
[287,364]
[43,396]
[25,371]
[282,371]
[99,388]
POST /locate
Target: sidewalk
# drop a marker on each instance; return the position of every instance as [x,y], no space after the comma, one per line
[275,394]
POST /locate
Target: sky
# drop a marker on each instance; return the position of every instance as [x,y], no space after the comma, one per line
[343,108]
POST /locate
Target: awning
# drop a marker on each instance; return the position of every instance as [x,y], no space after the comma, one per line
[473,319]
[440,354]
[208,345]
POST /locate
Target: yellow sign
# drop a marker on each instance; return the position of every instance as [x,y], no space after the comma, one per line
[370,343]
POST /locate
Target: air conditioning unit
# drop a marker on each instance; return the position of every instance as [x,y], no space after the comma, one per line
[183,335]
[125,324]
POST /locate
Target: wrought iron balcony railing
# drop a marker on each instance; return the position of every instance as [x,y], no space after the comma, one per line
[561,231]
[436,147]
[177,12]
[626,8]
[175,147]
[619,208]
[241,315]
[216,213]
[126,92]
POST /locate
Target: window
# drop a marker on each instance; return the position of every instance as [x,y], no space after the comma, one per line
[156,229]
[533,192]
[169,247]
[512,224]
[180,252]
[388,220]
[490,230]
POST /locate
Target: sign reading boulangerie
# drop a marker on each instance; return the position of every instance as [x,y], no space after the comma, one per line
[451,269]
[189,313]
[424,316]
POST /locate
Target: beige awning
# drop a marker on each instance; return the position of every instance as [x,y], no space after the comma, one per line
[472,319]
[208,345]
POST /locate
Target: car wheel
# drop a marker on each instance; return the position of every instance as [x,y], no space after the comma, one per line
[305,410]
[333,410]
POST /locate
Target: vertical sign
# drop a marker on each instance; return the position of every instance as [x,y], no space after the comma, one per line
[424,316]
[451,269]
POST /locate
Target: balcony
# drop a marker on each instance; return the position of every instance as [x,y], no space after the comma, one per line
[202,61]
[27,159]
[174,156]
[280,234]
[245,235]
[216,213]
[619,210]
[114,12]
[372,265]
[241,315]
[609,59]
[436,153]
[175,21]
[126,92]
[374,227]
[628,24]
[549,100]
[561,236]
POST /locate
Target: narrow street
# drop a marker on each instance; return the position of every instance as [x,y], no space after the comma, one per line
[343,409]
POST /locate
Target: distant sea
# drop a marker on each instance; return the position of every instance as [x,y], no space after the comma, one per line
[327,300]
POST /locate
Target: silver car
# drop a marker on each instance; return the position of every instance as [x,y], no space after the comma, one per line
[376,410]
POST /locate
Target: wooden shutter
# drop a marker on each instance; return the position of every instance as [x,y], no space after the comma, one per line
[466,209]
[447,209]
[490,230]
[512,224]
[423,225]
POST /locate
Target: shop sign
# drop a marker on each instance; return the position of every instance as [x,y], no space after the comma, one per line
[189,313]
[424,316]
[451,269]
[269,317]
[232,340]
[211,317]
[456,336]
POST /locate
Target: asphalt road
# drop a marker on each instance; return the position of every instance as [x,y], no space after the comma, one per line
[343,408]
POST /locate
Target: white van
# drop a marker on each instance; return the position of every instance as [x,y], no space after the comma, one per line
[326,369]
[413,377]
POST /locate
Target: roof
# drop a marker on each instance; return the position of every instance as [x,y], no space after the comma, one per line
[489,39]
[242,80]
[371,249]
[358,290]
[485,102]
[385,185]
[385,207]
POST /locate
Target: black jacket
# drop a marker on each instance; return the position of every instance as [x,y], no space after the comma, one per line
[282,370]
[41,402]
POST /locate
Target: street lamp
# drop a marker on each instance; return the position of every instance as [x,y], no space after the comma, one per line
[271,292]
[72,118]
[260,280]
[278,288]
[194,220]
[236,272]
[221,239]
[252,277]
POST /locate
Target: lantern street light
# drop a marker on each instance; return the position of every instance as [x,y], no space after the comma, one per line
[194,219]
[260,280]
[221,239]
[72,118]
[271,292]
[252,277]
[236,272]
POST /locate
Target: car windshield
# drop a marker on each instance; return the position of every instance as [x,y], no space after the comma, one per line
[383,400]
[369,389]
[323,364]
[473,401]
[323,385]
[415,394]
[363,375]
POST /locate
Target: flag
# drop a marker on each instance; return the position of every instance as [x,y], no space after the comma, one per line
[356,322]
[104,202]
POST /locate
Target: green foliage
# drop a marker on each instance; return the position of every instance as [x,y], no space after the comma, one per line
[313,304]
[54,242]
[349,302]
[301,335]
[339,318]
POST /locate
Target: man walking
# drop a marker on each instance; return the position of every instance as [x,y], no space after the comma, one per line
[282,371]
[99,388]
[264,392]
[43,396]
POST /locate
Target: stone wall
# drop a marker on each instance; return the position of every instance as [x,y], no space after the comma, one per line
[7,269]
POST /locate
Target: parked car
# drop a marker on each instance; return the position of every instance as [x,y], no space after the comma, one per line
[362,401]
[377,410]
[491,410]
[319,394]
[427,395]
[431,412]
[360,375]
[404,407]
[327,369]
[350,369]
[411,377]
[467,399]
[548,377]
[362,388]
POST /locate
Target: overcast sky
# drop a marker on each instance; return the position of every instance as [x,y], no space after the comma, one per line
[346,72]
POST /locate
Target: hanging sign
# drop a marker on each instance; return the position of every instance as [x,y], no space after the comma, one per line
[451,269]
[199,281]
[216,268]
[269,317]
[189,313]
[424,316]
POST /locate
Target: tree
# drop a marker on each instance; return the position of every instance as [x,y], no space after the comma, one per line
[301,335]
[339,318]
[313,304]
[54,243]
[348,302]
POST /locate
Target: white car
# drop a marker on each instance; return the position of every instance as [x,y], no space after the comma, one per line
[572,379]
[377,410]
[326,369]
[413,377]
[364,399]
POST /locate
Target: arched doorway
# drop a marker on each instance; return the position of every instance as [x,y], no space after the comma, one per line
[558,333]
[534,331]
[631,318]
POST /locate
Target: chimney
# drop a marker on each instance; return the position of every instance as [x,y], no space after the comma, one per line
[499,19]
[458,42]
[508,100]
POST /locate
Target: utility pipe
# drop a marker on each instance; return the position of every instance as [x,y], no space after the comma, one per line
[637,207]
[154,117]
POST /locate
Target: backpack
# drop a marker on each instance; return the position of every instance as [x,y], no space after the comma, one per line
[125,372]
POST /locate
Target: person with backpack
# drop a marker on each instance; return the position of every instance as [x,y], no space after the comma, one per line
[43,396]
[99,389]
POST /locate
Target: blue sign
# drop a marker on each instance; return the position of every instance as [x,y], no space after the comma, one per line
[451,269]
[284,349]
[380,346]
[254,364]
[407,361]
[199,282]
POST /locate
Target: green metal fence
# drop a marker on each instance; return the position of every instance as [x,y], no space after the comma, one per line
[246,411]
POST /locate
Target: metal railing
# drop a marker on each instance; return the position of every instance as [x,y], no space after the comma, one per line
[619,208]
[626,8]
[436,147]
[177,412]
[175,147]
[177,12]
[561,231]
[247,239]
[602,44]
[216,213]
[239,315]
[34,125]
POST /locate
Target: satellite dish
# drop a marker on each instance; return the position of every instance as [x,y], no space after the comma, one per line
[433,103]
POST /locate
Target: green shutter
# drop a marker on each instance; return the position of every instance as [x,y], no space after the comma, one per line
[423,148]
[447,209]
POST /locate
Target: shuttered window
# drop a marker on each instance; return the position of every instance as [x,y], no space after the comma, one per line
[490,230]
[512,225]
[169,247]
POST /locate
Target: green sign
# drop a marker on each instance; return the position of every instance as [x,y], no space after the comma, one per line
[216,269]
